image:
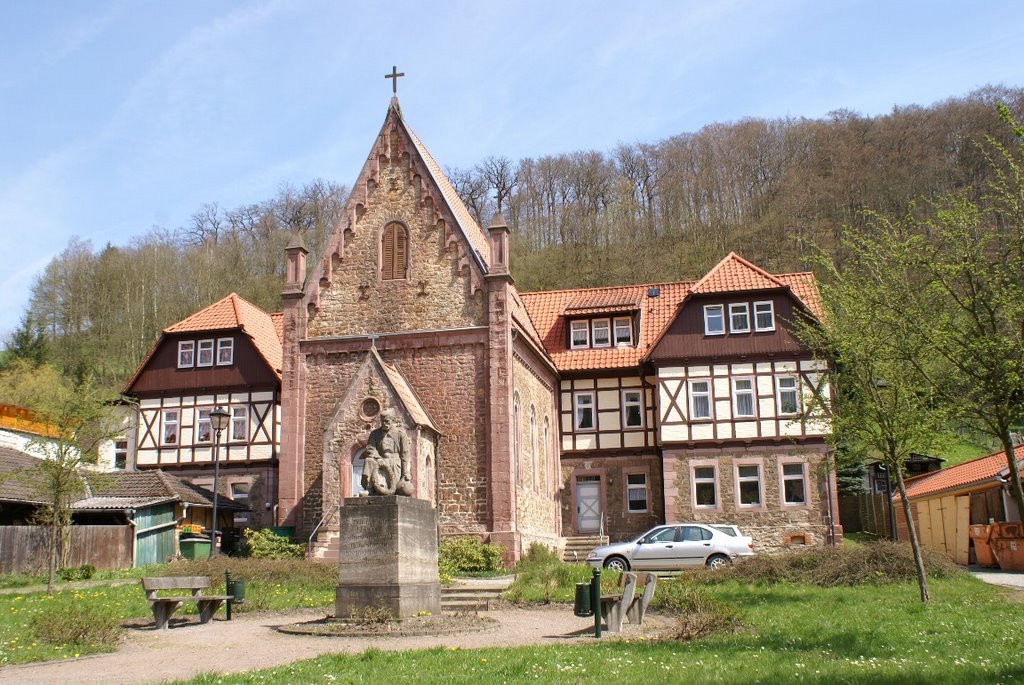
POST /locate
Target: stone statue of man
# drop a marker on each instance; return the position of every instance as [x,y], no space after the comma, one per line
[386,466]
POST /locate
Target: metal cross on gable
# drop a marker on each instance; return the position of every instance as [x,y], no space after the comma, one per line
[394,76]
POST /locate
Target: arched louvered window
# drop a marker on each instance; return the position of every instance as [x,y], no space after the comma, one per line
[394,252]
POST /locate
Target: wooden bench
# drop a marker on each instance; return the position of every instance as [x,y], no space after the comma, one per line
[164,607]
[636,611]
[613,607]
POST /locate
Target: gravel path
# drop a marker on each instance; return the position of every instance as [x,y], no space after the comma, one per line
[250,642]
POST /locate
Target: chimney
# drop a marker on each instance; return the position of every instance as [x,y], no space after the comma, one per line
[499,244]
[295,266]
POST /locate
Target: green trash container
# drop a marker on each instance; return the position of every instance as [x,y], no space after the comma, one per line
[236,588]
[194,548]
[584,603]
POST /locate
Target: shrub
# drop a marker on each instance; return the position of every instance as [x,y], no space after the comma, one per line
[264,544]
[76,623]
[468,555]
[873,563]
[542,577]
[696,614]
[84,572]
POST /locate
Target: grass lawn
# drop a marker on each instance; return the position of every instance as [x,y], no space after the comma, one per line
[269,586]
[795,633]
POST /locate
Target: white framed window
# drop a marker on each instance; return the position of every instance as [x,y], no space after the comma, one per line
[225,351]
[764,316]
[121,455]
[794,483]
[602,333]
[704,477]
[580,334]
[714,319]
[700,399]
[623,331]
[186,354]
[583,411]
[739,318]
[748,485]
[743,397]
[171,425]
[204,428]
[788,394]
[632,409]
[240,423]
[636,493]
[205,353]
[240,492]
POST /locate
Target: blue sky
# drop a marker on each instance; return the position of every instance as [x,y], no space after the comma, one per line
[120,116]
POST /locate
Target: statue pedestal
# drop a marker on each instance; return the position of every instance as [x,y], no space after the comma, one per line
[388,557]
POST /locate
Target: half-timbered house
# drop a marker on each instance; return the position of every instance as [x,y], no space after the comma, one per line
[228,355]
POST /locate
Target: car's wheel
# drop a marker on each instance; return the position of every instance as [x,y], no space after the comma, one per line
[717,561]
[616,564]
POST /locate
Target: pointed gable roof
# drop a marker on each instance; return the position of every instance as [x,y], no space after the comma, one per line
[229,313]
[734,274]
[468,225]
[438,193]
[404,392]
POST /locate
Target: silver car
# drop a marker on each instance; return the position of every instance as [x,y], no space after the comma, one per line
[675,546]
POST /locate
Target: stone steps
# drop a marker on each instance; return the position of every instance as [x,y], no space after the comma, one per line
[577,548]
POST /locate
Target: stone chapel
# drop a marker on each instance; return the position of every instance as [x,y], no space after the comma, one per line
[411,308]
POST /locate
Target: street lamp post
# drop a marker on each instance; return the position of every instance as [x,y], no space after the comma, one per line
[218,421]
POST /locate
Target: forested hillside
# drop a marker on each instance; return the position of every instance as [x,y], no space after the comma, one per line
[772,190]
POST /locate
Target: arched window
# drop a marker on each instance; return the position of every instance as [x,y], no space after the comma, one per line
[548,470]
[533,446]
[358,461]
[394,252]
[516,436]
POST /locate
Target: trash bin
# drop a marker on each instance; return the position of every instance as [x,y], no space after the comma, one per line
[584,604]
[1007,541]
[982,549]
[194,548]
[236,588]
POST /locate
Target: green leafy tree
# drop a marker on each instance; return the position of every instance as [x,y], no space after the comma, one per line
[964,300]
[877,402]
[75,419]
[27,342]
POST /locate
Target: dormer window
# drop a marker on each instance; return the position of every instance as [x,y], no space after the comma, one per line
[714,319]
[225,351]
[602,333]
[186,354]
[764,316]
[739,318]
[623,332]
[205,353]
[580,334]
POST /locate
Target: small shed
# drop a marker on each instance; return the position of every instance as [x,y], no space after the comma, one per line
[946,503]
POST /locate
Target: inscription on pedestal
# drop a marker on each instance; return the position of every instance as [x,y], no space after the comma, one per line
[388,557]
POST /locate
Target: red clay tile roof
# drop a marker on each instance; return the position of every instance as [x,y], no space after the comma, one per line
[549,312]
[278,319]
[522,321]
[467,224]
[962,475]
[734,274]
[229,313]
[802,285]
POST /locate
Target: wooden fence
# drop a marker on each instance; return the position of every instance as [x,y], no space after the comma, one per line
[864,513]
[23,548]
